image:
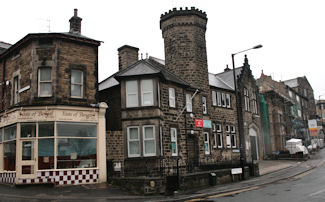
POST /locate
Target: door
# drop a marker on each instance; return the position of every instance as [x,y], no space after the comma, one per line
[28,159]
[253,147]
[192,151]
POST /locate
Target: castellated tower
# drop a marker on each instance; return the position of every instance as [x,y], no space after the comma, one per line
[185,46]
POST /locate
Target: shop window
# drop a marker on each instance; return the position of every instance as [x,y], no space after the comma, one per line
[44,82]
[147,92]
[206,143]
[188,103]
[149,141]
[27,130]
[133,141]
[76,83]
[10,132]
[46,153]
[27,150]
[9,155]
[45,129]
[132,94]
[76,153]
[173,138]
[172,97]
[78,147]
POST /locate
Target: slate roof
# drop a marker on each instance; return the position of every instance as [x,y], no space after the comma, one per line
[4,46]
[150,66]
[155,66]
[292,82]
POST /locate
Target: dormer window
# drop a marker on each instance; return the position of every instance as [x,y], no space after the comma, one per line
[76,84]
[44,82]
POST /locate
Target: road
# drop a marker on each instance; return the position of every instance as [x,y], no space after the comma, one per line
[307,187]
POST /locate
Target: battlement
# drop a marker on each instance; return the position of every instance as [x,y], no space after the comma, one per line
[181,12]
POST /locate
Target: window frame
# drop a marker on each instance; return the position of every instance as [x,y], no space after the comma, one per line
[149,139]
[233,137]
[214,98]
[207,150]
[172,97]
[204,105]
[135,140]
[254,97]
[228,100]
[15,89]
[246,100]
[220,137]
[223,99]
[189,106]
[39,82]
[219,99]
[150,92]
[77,84]
[173,140]
[136,93]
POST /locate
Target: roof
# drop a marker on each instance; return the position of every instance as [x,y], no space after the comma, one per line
[63,35]
[225,79]
[150,66]
[4,46]
[292,83]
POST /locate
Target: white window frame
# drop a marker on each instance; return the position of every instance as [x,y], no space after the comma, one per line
[173,139]
[206,143]
[214,140]
[223,99]
[150,92]
[227,128]
[204,105]
[220,140]
[219,99]
[219,127]
[228,140]
[213,127]
[189,103]
[41,82]
[149,139]
[233,135]
[78,84]
[172,100]
[214,98]
[135,140]
[132,93]
[228,101]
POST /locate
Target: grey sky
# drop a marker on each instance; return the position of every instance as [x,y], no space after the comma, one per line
[291,31]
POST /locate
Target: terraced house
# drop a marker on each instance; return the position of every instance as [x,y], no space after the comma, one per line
[52,129]
[170,122]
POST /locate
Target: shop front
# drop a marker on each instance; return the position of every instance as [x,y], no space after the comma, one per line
[53,144]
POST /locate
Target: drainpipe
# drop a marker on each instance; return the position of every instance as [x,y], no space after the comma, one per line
[3,83]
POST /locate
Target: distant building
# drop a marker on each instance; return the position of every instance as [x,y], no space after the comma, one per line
[4,46]
[320,109]
[52,129]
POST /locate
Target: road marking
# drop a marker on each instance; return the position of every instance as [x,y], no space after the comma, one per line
[303,174]
[234,192]
[316,193]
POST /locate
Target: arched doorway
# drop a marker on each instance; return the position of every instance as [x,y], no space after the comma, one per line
[254,143]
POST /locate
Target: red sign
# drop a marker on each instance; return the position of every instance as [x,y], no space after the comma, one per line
[199,123]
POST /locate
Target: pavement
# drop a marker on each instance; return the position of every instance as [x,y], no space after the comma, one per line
[271,171]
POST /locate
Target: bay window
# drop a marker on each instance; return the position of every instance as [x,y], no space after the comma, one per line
[149,143]
[76,83]
[133,141]
[9,148]
[44,82]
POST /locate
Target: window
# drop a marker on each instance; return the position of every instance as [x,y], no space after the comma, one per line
[228,137]
[298,99]
[246,100]
[173,139]
[188,103]
[132,94]
[290,94]
[16,90]
[305,92]
[204,105]
[147,92]
[206,143]
[223,99]
[214,140]
[9,148]
[228,101]
[233,137]
[213,127]
[214,98]
[254,103]
[219,140]
[149,141]
[219,99]
[133,141]
[76,83]
[44,82]
[219,128]
[172,97]
[45,145]
[27,130]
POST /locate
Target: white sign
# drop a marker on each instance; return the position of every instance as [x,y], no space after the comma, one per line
[235,171]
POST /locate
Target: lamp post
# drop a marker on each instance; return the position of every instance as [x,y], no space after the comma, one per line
[239,113]
[321,111]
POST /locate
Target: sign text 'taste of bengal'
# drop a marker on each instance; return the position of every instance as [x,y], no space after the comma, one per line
[199,123]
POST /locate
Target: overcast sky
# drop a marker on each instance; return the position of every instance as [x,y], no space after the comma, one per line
[292,32]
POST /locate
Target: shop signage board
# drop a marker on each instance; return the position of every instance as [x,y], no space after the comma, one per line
[312,125]
[199,123]
[207,124]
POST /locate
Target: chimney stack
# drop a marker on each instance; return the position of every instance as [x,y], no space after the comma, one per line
[75,23]
[127,55]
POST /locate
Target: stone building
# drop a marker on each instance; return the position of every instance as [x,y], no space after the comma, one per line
[52,128]
[169,122]
[276,122]
[320,109]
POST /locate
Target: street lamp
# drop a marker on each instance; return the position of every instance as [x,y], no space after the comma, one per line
[239,113]
[321,111]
